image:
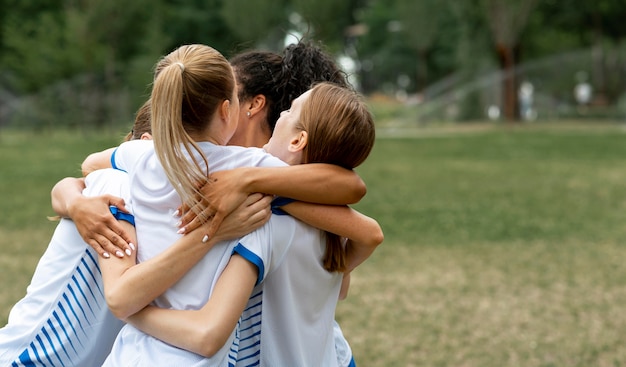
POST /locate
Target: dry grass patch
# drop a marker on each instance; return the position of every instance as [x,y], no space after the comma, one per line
[534,304]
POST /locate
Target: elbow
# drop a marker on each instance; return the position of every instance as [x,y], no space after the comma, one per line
[117,305]
[359,190]
[88,165]
[209,341]
[374,241]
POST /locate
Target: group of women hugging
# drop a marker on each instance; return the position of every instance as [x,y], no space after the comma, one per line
[218,233]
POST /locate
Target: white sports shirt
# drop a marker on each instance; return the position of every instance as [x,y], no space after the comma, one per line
[63,320]
[290,317]
[154,200]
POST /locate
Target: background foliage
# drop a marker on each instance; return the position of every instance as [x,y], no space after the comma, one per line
[87,63]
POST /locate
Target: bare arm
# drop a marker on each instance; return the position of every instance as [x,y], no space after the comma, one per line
[96,161]
[364,233]
[203,331]
[316,183]
[129,287]
[92,217]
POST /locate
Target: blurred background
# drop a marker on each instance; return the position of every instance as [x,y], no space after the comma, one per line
[497,176]
[88,64]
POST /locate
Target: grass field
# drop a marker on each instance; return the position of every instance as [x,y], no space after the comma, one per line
[504,246]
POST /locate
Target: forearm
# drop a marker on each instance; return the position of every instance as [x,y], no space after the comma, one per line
[96,161]
[315,183]
[204,331]
[175,327]
[340,220]
[140,284]
[64,192]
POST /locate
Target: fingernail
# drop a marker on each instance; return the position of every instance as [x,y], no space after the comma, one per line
[128,252]
[119,253]
[131,246]
[181,231]
[176,213]
[205,238]
[179,223]
[106,255]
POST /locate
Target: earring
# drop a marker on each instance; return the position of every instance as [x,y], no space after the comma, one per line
[248,114]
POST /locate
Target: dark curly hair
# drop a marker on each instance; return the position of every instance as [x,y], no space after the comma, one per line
[282,78]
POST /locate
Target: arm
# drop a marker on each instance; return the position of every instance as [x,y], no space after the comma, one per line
[129,287]
[96,161]
[363,232]
[206,330]
[316,183]
[92,217]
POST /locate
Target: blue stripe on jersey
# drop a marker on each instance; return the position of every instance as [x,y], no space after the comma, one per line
[59,341]
[120,215]
[47,335]
[94,280]
[253,258]
[75,317]
[56,316]
[250,338]
[25,359]
[113,161]
[58,338]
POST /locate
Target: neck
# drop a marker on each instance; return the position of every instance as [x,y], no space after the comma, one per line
[253,134]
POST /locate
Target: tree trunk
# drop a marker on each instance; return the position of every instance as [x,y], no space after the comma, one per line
[506,56]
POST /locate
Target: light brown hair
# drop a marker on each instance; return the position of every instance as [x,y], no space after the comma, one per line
[340,131]
[189,86]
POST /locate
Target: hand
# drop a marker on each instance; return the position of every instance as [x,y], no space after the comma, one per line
[254,212]
[224,192]
[98,227]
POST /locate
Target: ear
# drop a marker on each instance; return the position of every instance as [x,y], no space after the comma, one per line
[225,111]
[146,136]
[257,104]
[299,141]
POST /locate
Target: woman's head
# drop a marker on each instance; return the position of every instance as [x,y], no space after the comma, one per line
[141,127]
[279,79]
[193,98]
[328,124]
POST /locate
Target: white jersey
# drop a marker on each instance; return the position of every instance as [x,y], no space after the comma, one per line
[63,320]
[290,315]
[154,201]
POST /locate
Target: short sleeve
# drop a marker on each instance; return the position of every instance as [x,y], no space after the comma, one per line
[267,246]
[128,153]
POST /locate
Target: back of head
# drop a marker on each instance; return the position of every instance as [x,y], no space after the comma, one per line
[190,84]
[339,125]
[142,123]
[281,79]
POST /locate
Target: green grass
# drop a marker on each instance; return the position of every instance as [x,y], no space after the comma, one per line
[504,246]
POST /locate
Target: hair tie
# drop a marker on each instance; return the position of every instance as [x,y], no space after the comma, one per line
[182,67]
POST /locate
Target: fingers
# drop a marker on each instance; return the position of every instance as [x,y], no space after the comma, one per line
[253,198]
[213,226]
[96,246]
[117,202]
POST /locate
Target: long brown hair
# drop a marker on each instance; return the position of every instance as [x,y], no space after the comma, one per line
[340,131]
[189,86]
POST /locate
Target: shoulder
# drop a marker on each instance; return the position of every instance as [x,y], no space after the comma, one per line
[254,157]
[106,181]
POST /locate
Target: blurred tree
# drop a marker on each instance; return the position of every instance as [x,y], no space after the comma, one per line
[260,22]
[421,23]
[204,21]
[328,19]
[507,20]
